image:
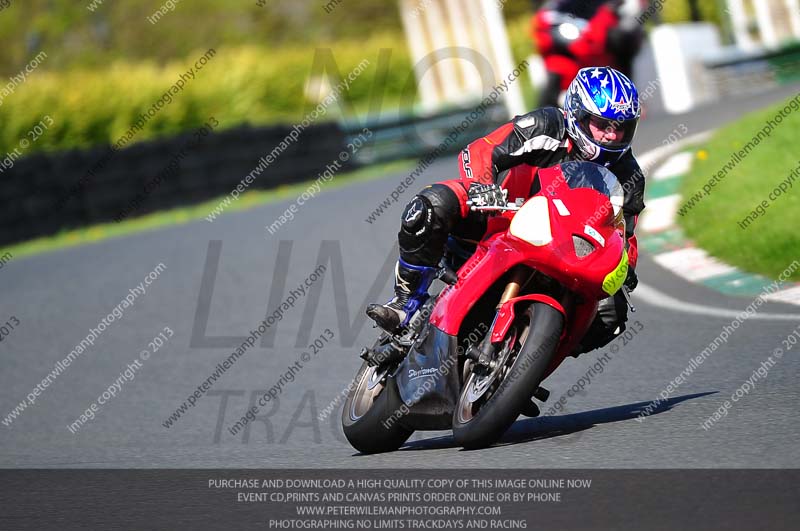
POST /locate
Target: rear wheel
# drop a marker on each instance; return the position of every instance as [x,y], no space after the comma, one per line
[373,411]
[492,398]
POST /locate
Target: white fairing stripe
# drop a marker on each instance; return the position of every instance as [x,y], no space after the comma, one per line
[561,207]
[545,142]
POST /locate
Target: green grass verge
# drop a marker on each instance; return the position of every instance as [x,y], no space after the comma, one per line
[156,220]
[770,241]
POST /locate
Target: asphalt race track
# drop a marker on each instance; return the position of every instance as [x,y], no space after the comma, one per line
[58,297]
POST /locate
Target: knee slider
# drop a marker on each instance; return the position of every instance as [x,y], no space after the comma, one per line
[417,216]
[426,222]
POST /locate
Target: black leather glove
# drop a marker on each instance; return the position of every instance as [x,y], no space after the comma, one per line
[486,195]
[632,280]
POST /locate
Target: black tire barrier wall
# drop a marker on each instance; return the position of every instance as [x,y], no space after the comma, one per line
[42,194]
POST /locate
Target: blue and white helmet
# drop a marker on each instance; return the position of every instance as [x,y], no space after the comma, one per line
[608,99]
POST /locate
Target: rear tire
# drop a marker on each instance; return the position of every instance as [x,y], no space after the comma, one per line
[371,418]
[479,421]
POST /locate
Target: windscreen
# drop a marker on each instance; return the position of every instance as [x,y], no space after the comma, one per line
[596,177]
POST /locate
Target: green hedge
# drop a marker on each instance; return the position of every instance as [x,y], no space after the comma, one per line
[244,84]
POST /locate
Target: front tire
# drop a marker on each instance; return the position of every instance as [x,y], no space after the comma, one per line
[371,418]
[491,400]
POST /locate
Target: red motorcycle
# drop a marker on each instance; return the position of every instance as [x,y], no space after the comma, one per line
[475,355]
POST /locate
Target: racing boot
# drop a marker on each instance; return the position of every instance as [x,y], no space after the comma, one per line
[411,285]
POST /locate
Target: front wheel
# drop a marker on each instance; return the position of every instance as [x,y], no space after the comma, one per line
[372,412]
[492,398]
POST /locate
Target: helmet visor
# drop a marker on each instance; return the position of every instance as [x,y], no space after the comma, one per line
[608,133]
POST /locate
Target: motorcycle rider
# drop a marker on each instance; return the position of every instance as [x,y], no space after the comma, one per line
[597,124]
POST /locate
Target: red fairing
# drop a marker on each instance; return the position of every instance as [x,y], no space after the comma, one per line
[518,181]
[582,317]
[501,251]
[506,314]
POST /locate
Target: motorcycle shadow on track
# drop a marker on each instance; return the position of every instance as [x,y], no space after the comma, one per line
[529,430]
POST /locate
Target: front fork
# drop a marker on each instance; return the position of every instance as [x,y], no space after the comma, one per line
[484,353]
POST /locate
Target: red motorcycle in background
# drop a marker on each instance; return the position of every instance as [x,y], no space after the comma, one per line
[474,356]
[573,34]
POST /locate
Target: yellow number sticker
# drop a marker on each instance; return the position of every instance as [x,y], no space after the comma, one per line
[614,280]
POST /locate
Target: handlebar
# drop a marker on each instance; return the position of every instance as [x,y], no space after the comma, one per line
[510,207]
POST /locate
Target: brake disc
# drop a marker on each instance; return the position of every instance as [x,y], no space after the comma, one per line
[480,384]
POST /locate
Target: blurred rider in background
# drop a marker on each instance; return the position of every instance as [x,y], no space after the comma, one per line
[574,34]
